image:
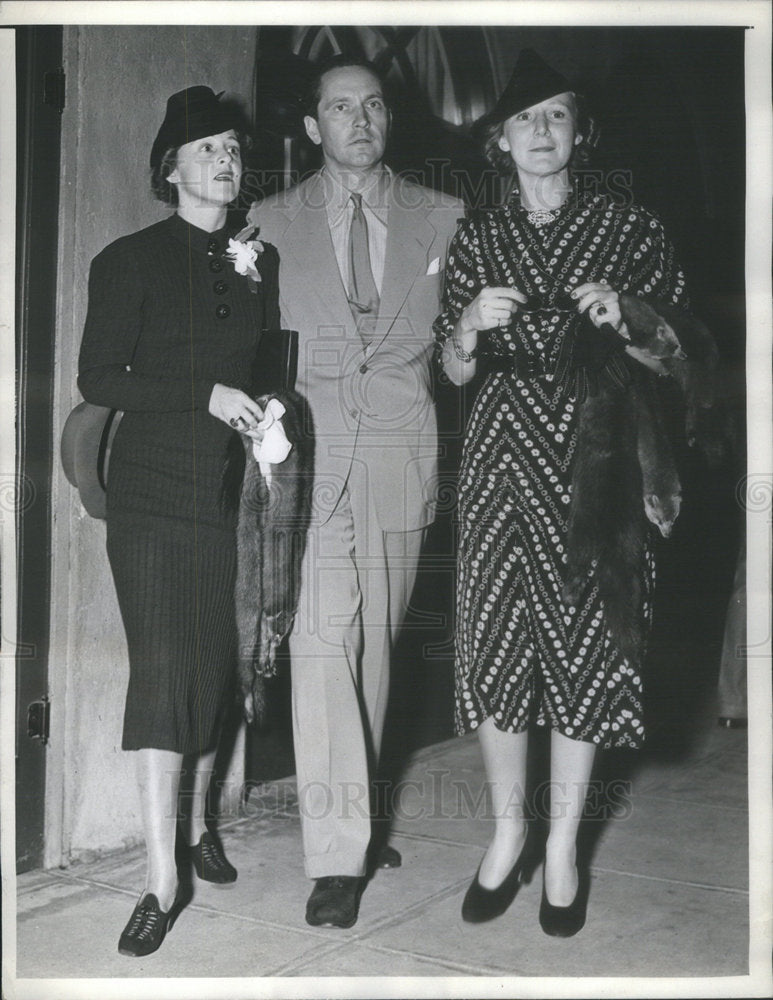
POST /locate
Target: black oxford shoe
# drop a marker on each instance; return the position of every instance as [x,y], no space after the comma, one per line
[388,857]
[209,861]
[147,926]
[334,901]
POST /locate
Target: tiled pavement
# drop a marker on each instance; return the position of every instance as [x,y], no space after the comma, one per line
[669,895]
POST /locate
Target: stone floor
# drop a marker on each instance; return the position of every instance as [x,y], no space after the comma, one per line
[669,897]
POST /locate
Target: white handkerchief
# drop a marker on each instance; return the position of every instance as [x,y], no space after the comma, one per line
[434,266]
[274,447]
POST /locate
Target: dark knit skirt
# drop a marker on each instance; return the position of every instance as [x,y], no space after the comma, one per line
[174,582]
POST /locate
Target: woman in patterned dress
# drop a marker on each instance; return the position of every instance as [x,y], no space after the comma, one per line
[530,274]
[170,339]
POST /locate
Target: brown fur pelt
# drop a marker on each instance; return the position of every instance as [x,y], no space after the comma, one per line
[271,540]
[607,528]
[707,423]
[685,350]
[661,488]
[624,472]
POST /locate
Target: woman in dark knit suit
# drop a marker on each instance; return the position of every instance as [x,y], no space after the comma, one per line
[170,339]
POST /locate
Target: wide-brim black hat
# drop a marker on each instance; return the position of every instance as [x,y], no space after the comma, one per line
[532,81]
[192,114]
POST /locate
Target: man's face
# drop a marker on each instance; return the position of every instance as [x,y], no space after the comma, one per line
[352,120]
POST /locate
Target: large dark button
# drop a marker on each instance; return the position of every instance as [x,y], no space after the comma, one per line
[363,369]
[223,311]
[213,246]
[216,265]
[221,287]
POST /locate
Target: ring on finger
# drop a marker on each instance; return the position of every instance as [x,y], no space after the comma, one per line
[601,309]
[235,421]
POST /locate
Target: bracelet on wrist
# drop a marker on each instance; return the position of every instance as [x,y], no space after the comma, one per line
[460,352]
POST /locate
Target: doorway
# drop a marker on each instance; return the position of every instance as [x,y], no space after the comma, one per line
[39,101]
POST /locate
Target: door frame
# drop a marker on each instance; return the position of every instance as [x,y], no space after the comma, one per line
[38,129]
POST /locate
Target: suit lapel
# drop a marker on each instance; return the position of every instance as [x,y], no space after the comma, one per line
[409,234]
[307,237]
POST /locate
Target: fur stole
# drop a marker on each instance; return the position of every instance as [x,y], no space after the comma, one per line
[271,540]
[624,474]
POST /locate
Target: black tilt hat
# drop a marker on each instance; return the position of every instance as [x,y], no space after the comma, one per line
[532,81]
[192,114]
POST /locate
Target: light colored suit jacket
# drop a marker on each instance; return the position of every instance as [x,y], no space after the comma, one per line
[369,406]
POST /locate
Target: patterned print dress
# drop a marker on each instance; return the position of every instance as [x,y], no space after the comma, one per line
[521,654]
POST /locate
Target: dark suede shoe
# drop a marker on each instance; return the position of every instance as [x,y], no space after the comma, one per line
[388,857]
[333,901]
[566,921]
[481,904]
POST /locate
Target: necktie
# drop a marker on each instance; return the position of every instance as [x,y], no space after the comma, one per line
[363,294]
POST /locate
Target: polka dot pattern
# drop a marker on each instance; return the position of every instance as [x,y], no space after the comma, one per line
[521,655]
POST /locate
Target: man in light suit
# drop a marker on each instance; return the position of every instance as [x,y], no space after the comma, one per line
[362,254]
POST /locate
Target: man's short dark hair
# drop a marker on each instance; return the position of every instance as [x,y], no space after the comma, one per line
[340,61]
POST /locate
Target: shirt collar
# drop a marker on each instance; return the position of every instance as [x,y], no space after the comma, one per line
[374,194]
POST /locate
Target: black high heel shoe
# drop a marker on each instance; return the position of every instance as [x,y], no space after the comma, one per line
[481,904]
[566,921]
[148,926]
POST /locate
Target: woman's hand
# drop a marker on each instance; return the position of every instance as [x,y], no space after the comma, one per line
[491,307]
[235,408]
[601,303]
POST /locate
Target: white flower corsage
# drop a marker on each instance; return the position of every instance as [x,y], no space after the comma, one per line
[243,253]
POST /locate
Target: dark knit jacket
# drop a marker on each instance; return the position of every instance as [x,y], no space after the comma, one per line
[168,318]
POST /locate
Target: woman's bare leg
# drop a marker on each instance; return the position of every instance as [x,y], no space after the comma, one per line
[571,763]
[504,757]
[158,780]
[197,806]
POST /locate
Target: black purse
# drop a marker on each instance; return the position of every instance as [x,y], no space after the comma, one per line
[275,368]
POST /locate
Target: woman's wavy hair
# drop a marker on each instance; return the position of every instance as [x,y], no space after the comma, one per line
[167,192]
[586,127]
